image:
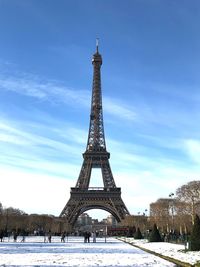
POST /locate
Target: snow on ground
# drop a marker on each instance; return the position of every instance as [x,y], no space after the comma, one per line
[74,252]
[175,251]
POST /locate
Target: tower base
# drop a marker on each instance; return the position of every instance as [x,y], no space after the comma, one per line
[81,200]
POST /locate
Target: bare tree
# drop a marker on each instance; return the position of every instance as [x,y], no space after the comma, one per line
[190,193]
[183,217]
[41,223]
[1,208]
[160,213]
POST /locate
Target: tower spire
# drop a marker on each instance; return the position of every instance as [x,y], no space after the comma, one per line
[97,45]
[96,138]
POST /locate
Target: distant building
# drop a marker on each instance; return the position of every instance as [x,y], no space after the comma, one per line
[84,219]
[111,221]
[95,221]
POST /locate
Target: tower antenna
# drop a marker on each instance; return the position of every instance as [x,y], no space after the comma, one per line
[97,44]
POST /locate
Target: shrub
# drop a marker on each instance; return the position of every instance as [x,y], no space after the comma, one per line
[138,234]
[155,235]
[195,235]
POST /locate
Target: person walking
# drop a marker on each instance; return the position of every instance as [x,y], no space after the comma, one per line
[23,236]
[49,236]
[94,237]
[15,235]
[85,237]
[1,235]
[63,237]
[45,237]
[88,237]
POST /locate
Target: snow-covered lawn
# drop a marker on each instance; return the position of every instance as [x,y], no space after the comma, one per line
[113,253]
[175,251]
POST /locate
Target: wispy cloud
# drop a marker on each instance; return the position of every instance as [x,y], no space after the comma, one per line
[39,165]
[16,135]
[9,138]
[47,91]
[145,153]
[53,92]
[114,107]
[39,153]
[71,133]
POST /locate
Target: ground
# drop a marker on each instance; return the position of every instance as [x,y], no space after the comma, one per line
[174,251]
[108,252]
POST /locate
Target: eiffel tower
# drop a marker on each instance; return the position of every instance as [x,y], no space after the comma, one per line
[82,196]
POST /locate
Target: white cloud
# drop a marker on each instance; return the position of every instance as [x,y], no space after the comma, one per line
[193,149]
[142,187]
[34,193]
[44,90]
[24,87]
[74,134]
[8,138]
[16,135]
[118,109]
[41,154]
[39,164]
[52,92]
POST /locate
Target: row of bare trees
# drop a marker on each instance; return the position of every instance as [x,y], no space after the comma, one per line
[12,219]
[177,212]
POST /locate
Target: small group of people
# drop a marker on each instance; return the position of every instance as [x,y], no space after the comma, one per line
[87,236]
[15,234]
[47,237]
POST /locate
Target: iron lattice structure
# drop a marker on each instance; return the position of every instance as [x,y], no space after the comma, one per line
[83,197]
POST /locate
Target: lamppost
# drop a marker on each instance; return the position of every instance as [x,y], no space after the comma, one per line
[6,226]
[171,195]
[145,223]
[145,212]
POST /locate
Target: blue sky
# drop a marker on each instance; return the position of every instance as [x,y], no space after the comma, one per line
[151,97]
